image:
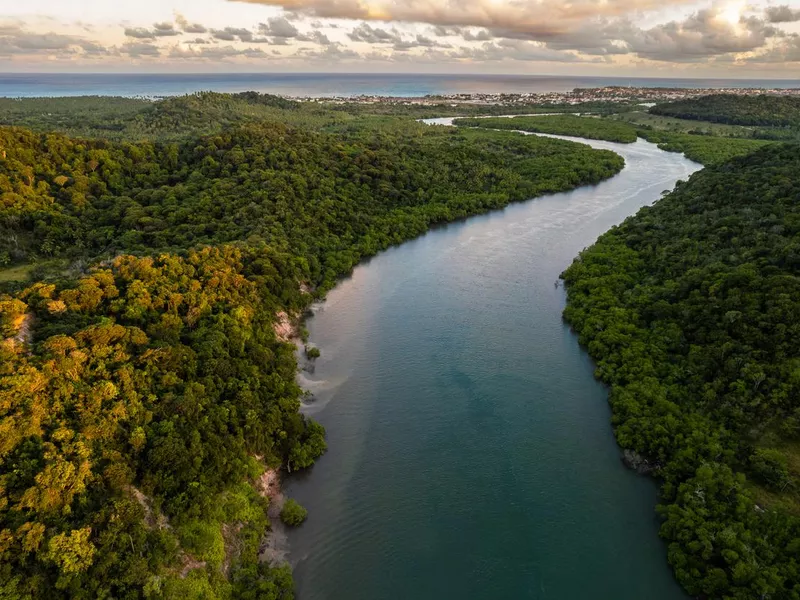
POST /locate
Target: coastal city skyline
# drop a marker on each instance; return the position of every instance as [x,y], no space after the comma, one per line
[731,38]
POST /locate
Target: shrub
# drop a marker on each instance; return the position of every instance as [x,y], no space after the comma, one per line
[292,513]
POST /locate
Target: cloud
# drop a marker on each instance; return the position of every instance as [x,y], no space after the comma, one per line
[782,14]
[704,34]
[539,18]
[483,35]
[140,49]
[419,41]
[232,34]
[216,53]
[330,53]
[317,37]
[785,51]
[159,30]
[278,27]
[374,35]
[188,27]
[511,49]
[165,30]
[140,33]
[16,40]
[440,31]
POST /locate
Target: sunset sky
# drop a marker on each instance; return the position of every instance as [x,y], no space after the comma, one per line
[728,38]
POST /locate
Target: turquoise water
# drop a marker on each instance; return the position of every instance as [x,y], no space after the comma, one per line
[332,84]
[471,454]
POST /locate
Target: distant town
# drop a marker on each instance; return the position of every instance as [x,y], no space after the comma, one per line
[576,96]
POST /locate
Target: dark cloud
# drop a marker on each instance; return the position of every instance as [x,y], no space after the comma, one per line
[159,30]
[165,30]
[16,40]
[278,27]
[224,35]
[232,34]
[782,14]
[374,35]
[441,31]
[139,33]
[419,41]
[317,37]
[482,35]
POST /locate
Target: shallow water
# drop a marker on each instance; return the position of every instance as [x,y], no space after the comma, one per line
[471,453]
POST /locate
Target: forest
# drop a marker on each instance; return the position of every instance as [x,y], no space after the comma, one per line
[704,149]
[182,117]
[690,310]
[587,127]
[755,110]
[145,387]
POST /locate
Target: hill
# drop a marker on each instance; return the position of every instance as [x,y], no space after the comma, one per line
[760,110]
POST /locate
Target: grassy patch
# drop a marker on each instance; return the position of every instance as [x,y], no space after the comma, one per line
[16,273]
[705,128]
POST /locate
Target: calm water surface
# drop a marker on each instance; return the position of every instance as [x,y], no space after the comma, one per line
[471,455]
[331,84]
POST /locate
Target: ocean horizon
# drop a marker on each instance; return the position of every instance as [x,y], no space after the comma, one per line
[154,85]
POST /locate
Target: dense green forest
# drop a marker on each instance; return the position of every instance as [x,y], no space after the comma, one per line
[705,149]
[328,198]
[202,113]
[146,383]
[691,310]
[587,127]
[649,121]
[758,110]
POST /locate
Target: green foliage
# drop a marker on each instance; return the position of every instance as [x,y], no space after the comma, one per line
[762,109]
[690,310]
[329,200]
[586,127]
[204,541]
[182,117]
[292,513]
[770,466]
[140,371]
[100,116]
[706,150]
[646,120]
[312,352]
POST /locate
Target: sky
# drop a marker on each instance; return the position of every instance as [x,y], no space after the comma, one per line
[648,38]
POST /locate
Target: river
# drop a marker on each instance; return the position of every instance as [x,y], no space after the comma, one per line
[471,454]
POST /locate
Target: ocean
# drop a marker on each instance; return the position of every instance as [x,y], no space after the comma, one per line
[22,85]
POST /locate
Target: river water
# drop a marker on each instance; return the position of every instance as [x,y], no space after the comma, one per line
[470,449]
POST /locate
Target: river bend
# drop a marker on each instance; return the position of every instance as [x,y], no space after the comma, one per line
[470,449]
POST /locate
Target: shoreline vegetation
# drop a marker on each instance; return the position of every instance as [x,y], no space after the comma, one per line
[168,281]
[689,311]
[579,126]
